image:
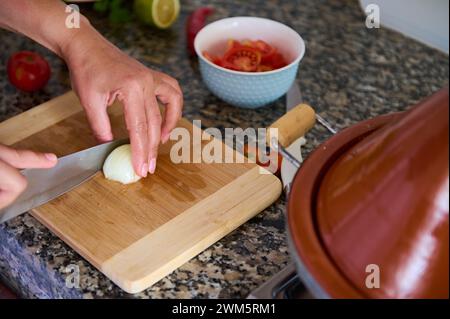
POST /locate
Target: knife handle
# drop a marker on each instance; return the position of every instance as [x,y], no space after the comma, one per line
[294,124]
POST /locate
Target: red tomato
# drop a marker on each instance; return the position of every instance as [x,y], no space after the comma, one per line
[249,56]
[243,58]
[214,59]
[265,48]
[28,71]
[264,68]
[276,61]
[267,53]
[195,23]
[232,44]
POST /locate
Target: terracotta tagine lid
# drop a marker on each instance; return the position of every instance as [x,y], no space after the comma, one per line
[369,210]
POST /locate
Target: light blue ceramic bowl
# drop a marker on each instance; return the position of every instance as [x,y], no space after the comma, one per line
[248,89]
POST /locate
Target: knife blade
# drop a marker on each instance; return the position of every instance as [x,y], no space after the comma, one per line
[294,98]
[47,184]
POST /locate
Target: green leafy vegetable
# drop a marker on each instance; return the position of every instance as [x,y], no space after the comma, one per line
[118,13]
[101,6]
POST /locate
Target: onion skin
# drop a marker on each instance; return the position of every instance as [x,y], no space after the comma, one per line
[119,167]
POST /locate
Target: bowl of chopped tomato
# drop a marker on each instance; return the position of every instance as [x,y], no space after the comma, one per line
[247,61]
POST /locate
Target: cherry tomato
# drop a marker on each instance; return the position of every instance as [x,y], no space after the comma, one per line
[243,58]
[28,71]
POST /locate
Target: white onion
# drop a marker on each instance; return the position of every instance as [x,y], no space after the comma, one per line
[118,166]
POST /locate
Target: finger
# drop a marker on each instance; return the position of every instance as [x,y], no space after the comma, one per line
[174,106]
[97,115]
[12,184]
[167,79]
[27,159]
[154,130]
[136,121]
[173,83]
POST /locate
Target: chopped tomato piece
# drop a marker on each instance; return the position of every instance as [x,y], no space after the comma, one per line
[231,44]
[263,47]
[243,58]
[247,43]
[212,58]
[264,68]
[208,56]
[249,56]
[275,60]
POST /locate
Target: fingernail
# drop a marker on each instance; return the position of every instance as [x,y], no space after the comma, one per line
[152,167]
[165,138]
[144,170]
[51,157]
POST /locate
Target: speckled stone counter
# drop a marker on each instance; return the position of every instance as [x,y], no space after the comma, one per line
[349,74]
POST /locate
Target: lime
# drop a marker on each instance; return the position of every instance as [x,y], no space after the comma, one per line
[159,13]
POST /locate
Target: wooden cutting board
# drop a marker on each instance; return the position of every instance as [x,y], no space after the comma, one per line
[137,234]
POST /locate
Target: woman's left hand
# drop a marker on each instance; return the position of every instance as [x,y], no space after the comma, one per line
[101,73]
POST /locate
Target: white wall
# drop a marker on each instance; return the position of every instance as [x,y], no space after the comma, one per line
[423,20]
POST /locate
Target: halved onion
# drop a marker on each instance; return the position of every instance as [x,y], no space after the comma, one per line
[118,166]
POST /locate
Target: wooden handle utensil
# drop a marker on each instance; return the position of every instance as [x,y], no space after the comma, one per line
[294,124]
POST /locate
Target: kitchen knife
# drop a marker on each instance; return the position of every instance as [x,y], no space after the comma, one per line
[47,184]
[294,97]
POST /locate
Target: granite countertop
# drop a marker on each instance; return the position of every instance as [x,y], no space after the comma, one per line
[349,74]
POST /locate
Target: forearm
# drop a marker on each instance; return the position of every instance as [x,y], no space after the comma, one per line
[101,73]
[45,22]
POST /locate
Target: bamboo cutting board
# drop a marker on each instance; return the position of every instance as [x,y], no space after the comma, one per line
[137,234]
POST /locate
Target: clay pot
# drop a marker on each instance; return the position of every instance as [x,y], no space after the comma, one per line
[368,211]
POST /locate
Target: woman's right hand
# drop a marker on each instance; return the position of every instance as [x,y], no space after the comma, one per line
[12,183]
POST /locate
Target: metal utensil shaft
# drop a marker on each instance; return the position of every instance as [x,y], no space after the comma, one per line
[324,123]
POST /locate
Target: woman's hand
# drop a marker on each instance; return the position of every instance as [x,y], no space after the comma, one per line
[101,73]
[12,183]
